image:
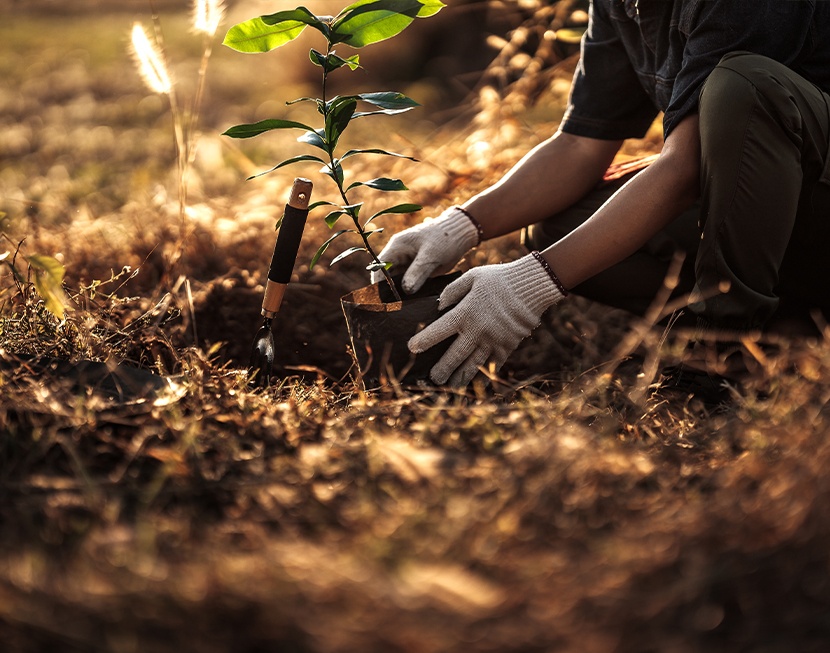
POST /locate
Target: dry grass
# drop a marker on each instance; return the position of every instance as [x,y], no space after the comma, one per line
[564,508]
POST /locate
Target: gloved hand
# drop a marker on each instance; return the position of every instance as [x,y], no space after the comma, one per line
[430,248]
[498,306]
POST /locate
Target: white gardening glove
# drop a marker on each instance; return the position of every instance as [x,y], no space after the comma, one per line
[430,248]
[498,306]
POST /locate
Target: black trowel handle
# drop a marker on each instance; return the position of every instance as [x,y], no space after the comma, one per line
[288,243]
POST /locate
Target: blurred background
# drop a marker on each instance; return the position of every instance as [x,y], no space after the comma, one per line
[78,128]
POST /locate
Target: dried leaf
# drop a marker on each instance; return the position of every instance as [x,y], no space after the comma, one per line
[49,283]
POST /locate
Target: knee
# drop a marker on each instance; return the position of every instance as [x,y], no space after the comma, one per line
[747,64]
[731,85]
[739,81]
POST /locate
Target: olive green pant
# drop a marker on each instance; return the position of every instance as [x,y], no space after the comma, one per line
[756,246]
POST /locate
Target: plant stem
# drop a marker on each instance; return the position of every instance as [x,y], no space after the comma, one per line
[360,230]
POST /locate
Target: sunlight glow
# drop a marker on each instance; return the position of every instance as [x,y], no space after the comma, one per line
[150,61]
[207,15]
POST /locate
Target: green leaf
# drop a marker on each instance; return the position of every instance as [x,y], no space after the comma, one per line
[49,283]
[352,62]
[379,112]
[255,35]
[338,116]
[336,173]
[351,153]
[381,183]
[318,58]
[348,252]
[340,99]
[320,23]
[332,218]
[317,205]
[315,137]
[389,100]
[332,61]
[378,265]
[266,33]
[390,103]
[257,128]
[288,162]
[370,21]
[353,209]
[398,208]
[325,246]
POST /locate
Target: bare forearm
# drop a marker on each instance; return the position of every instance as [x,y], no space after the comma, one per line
[635,213]
[551,177]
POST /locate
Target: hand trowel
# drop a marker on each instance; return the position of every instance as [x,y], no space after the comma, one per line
[279,274]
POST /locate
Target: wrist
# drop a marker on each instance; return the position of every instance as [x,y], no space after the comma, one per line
[533,284]
[476,223]
[460,224]
[547,268]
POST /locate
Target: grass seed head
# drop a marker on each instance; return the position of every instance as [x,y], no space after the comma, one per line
[150,62]
[207,15]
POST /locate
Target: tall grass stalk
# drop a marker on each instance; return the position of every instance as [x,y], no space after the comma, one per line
[151,61]
[152,66]
[207,16]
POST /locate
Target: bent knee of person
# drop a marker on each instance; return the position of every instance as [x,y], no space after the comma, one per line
[747,63]
[755,68]
[730,80]
[738,83]
[739,75]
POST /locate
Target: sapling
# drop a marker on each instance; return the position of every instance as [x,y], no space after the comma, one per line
[360,24]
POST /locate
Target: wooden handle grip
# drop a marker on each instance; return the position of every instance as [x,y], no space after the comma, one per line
[300,193]
[274,293]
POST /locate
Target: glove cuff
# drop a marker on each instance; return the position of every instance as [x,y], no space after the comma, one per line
[543,262]
[459,225]
[533,284]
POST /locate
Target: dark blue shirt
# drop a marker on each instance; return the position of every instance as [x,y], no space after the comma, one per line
[640,57]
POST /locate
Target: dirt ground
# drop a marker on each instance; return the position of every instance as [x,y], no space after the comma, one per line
[565,506]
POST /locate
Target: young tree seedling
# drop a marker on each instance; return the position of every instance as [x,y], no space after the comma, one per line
[360,24]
